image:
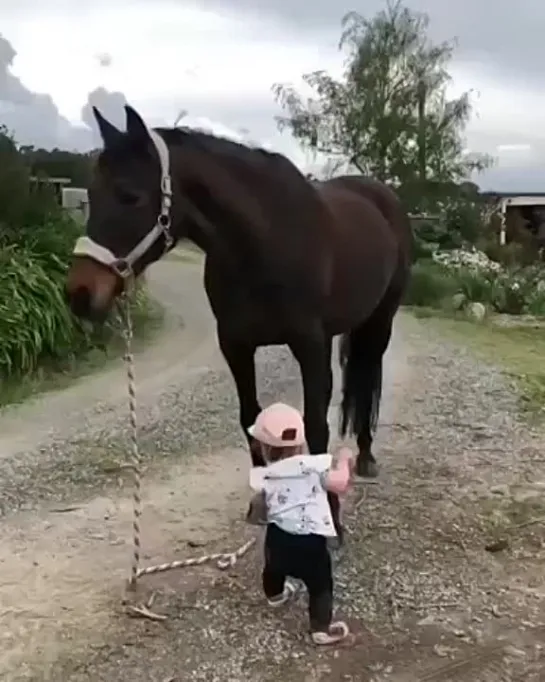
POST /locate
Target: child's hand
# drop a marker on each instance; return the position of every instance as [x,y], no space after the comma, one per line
[345,455]
[339,475]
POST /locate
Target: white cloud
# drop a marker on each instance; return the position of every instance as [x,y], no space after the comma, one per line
[169,55]
[170,49]
[215,127]
[503,148]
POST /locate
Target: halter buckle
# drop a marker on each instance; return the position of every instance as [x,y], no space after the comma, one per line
[123,268]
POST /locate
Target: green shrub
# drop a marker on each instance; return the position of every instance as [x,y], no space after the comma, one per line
[431,234]
[37,331]
[514,291]
[422,249]
[520,291]
[463,222]
[430,284]
[36,326]
[536,307]
[475,286]
[34,319]
[510,255]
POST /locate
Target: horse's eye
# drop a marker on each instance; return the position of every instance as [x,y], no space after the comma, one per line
[127,197]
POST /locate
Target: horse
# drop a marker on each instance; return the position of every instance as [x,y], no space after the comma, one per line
[287,261]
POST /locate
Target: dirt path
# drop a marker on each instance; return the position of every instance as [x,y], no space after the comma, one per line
[427,600]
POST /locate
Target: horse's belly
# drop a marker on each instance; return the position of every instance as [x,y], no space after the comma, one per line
[242,317]
[358,286]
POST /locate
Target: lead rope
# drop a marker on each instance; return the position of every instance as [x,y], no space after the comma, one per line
[223,560]
[135,453]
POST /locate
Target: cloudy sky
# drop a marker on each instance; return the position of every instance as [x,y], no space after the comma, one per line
[217,60]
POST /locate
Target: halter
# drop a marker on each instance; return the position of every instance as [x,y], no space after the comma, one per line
[123,267]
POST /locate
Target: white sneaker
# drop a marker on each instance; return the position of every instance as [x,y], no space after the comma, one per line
[290,591]
[336,633]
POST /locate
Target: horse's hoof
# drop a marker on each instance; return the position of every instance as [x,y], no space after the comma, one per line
[366,468]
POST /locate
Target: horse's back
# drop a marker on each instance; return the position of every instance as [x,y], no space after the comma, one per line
[384,199]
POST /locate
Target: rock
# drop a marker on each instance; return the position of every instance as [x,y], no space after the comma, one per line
[428,620]
[476,311]
[459,301]
[443,651]
[498,546]
[501,489]
[511,650]
[525,495]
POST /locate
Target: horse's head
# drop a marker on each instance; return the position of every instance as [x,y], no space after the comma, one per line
[130,216]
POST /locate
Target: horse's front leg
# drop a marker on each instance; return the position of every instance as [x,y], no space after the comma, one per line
[313,352]
[239,356]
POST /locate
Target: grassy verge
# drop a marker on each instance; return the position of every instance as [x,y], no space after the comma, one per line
[147,322]
[510,516]
[519,350]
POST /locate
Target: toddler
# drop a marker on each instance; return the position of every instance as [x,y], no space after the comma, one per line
[293,489]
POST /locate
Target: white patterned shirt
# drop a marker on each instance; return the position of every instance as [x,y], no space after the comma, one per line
[295,494]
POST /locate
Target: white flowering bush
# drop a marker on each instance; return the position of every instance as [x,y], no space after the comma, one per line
[520,291]
[467,258]
[467,275]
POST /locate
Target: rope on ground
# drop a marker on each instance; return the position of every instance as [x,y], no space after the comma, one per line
[224,560]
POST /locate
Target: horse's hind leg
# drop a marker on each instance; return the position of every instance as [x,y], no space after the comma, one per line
[240,357]
[362,352]
[372,390]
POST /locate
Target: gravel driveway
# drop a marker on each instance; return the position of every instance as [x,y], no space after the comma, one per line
[459,475]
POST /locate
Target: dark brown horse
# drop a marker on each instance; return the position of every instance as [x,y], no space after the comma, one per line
[287,261]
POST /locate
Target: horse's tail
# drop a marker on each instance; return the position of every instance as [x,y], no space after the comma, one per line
[361,363]
[361,353]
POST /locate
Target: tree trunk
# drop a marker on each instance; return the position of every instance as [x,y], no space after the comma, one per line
[422,152]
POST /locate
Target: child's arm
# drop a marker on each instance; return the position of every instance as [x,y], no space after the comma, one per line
[338,477]
[257,482]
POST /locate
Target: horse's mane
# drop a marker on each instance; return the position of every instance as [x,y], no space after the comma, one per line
[286,194]
[267,161]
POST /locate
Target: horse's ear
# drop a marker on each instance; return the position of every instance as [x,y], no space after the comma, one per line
[108,132]
[136,128]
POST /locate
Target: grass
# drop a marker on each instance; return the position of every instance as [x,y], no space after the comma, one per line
[58,375]
[506,518]
[519,350]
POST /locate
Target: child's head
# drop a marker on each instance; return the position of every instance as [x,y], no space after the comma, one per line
[280,431]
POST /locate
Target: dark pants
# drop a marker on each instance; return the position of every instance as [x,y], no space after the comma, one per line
[306,558]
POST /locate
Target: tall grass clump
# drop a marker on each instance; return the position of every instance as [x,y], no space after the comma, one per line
[37,330]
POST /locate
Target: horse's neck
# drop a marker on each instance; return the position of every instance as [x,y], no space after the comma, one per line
[198,231]
[222,216]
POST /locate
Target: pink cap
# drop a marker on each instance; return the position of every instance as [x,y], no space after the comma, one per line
[279,425]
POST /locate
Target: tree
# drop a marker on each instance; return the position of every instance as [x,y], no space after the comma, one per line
[58,163]
[24,206]
[389,116]
[14,182]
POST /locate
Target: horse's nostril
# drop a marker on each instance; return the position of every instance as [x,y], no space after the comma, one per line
[80,302]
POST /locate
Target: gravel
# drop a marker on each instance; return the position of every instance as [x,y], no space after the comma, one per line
[415,570]
[201,412]
[186,402]
[415,581]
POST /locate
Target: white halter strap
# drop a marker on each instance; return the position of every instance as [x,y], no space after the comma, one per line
[123,266]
